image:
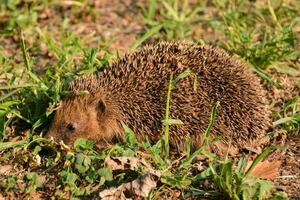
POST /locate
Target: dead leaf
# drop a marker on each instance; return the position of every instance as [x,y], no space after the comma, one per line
[9,196]
[266,169]
[132,163]
[63,146]
[121,163]
[35,196]
[5,169]
[43,178]
[139,187]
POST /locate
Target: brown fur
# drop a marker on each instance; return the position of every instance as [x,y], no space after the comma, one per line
[134,90]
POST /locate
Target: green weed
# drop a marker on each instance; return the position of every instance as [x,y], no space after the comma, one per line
[172,18]
[262,44]
[32,98]
[33,181]
[289,117]
[246,27]
[262,34]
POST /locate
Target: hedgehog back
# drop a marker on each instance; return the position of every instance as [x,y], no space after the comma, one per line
[138,83]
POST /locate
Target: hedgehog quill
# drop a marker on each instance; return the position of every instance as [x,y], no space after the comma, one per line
[134,90]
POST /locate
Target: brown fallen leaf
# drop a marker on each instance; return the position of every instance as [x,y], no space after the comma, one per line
[63,146]
[132,163]
[5,169]
[137,188]
[35,196]
[266,169]
[121,163]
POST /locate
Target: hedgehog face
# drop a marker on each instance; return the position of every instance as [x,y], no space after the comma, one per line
[87,118]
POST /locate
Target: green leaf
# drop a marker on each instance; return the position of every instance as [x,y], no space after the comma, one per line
[279,196]
[172,122]
[82,163]
[151,10]
[106,173]
[34,182]
[227,173]
[201,150]
[32,176]
[69,178]
[182,75]
[6,145]
[284,68]
[130,139]
[129,153]
[267,77]
[212,120]
[284,120]
[177,181]
[242,164]
[259,158]
[265,188]
[12,4]
[154,30]
[82,144]
[10,182]
[37,149]
[203,175]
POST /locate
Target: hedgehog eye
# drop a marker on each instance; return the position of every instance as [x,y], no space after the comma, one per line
[71,127]
[101,106]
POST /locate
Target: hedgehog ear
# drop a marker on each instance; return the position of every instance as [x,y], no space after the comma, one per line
[101,107]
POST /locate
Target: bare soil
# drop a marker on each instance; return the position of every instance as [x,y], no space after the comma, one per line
[120,23]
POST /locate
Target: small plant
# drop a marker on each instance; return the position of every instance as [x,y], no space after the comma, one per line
[10,183]
[275,47]
[13,18]
[262,47]
[289,117]
[264,33]
[33,181]
[32,98]
[167,121]
[175,19]
[236,181]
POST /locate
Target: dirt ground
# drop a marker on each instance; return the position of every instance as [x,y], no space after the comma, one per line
[120,23]
[290,169]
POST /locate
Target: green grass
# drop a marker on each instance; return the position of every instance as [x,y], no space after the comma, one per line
[264,35]
[84,173]
[289,116]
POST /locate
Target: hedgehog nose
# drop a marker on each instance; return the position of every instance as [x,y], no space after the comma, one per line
[50,133]
[54,136]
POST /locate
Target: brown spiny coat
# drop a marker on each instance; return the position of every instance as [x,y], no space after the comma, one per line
[134,90]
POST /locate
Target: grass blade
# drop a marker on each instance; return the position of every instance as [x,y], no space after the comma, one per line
[267,77]
[154,30]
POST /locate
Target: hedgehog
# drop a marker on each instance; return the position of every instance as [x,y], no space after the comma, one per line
[133,90]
